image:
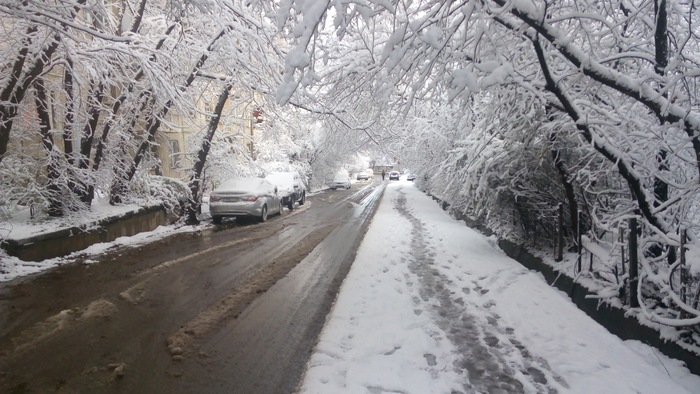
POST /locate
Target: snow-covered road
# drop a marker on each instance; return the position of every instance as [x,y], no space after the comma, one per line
[431,306]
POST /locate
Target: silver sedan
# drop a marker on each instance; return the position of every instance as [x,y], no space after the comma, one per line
[244,197]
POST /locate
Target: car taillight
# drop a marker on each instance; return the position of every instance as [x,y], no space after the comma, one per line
[251,198]
[214,197]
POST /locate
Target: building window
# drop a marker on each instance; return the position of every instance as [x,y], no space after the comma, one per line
[174,153]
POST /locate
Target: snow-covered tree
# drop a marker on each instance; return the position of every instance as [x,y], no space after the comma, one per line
[600,96]
[92,82]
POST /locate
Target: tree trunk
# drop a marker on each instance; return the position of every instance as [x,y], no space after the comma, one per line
[136,23]
[13,96]
[96,96]
[661,59]
[18,65]
[69,115]
[195,179]
[85,192]
[99,152]
[16,89]
[565,181]
[53,172]
[634,264]
[119,185]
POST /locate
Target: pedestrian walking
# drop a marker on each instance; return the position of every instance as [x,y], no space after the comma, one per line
[383,174]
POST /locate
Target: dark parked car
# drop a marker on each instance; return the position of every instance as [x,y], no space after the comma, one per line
[290,187]
[394,176]
[240,197]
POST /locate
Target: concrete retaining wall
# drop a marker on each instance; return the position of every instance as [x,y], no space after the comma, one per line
[66,241]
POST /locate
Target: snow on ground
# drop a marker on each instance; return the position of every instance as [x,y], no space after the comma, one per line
[431,306]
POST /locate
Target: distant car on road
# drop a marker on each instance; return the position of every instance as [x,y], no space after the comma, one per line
[341,179]
[394,176]
[411,177]
[289,186]
[244,197]
[362,176]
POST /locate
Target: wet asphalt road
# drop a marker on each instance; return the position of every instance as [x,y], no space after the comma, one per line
[236,308]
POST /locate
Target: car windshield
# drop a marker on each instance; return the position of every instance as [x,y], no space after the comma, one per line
[281,179]
[341,177]
[254,186]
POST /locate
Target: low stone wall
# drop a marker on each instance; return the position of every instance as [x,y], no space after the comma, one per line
[66,241]
[610,317]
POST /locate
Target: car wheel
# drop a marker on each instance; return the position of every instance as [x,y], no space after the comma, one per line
[263,213]
[290,204]
[216,219]
[303,198]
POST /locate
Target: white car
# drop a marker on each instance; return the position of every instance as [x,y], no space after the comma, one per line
[240,197]
[290,187]
[341,179]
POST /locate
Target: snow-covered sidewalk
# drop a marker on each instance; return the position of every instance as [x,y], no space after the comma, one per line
[431,306]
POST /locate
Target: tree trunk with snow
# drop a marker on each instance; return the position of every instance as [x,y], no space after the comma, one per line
[53,172]
[198,167]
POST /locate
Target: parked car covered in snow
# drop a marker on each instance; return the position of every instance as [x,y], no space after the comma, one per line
[289,186]
[244,197]
[362,176]
[341,179]
[411,177]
